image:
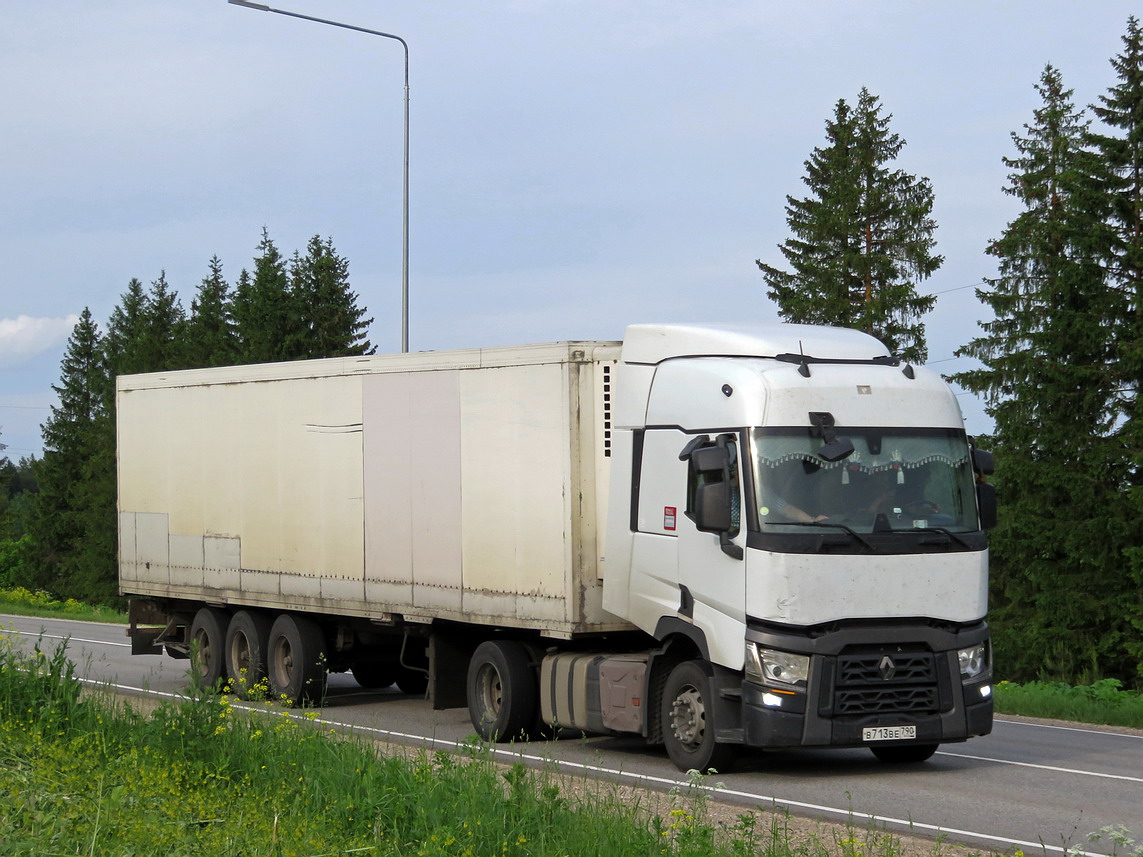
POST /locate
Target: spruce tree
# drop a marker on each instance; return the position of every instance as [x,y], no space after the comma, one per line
[863,238]
[146,330]
[211,339]
[332,323]
[1045,381]
[266,314]
[126,332]
[74,520]
[1121,112]
[164,337]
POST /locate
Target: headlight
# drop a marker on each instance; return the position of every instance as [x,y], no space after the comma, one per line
[769,665]
[973,660]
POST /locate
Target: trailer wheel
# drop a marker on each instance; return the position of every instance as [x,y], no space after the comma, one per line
[688,721]
[502,690]
[373,673]
[247,640]
[412,682]
[208,641]
[296,659]
[905,753]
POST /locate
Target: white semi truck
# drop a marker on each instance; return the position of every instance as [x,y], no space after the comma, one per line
[711,536]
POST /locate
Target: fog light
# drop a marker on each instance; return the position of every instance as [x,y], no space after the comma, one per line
[986,690]
[772,700]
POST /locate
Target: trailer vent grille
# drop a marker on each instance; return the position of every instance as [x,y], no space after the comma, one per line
[606,410]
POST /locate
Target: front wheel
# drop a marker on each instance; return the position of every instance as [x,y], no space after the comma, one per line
[687,716]
[904,753]
[502,690]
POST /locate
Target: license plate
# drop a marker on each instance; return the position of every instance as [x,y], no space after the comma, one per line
[889,733]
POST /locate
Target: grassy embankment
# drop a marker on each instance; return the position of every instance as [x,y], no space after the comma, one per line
[23,602]
[88,774]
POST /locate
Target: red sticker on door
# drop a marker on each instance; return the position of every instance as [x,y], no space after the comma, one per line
[669,517]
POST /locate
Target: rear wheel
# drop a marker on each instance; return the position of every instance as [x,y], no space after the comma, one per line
[688,721]
[208,641]
[412,682]
[502,690]
[374,673]
[296,659]
[904,753]
[247,640]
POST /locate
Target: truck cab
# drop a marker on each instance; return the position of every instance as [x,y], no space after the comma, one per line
[799,519]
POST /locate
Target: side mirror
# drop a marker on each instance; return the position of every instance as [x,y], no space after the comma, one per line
[983,462]
[986,504]
[712,507]
[712,485]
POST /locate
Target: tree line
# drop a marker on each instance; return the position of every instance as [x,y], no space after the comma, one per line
[1061,361]
[58,527]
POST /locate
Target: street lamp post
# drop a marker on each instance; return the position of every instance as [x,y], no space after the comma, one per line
[405,183]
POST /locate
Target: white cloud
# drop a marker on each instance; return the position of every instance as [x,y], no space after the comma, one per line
[24,337]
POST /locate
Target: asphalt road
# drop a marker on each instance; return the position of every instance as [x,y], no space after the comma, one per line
[1030,787]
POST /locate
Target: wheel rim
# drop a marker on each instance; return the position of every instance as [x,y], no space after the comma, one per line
[240,653]
[491,691]
[688,717]
[283,663]
[203,656]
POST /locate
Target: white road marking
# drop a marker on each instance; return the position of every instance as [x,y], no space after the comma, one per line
[43,636]
[1069,728]
[1058,770]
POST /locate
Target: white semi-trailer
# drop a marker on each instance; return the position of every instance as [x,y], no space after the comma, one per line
[712,536]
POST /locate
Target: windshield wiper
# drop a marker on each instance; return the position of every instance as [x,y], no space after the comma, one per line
[827,524]
[943,532]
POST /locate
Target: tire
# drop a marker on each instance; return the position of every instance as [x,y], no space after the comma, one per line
[208,643]
[904,753]
[502,691]
[247,641]
[688,724]
[296,663]
[374,674]
[412,682]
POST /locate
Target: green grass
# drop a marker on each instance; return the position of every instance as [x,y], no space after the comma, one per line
[87,774]
[19,601]
[1102,703]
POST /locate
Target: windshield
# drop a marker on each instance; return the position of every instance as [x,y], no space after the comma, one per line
[895,479]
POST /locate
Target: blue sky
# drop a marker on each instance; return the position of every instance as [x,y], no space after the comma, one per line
[575,166]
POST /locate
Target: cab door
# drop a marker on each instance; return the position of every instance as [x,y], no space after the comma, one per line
[712,539]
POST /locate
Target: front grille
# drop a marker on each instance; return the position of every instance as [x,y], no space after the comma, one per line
[907,668]
[887,681]
[886,700]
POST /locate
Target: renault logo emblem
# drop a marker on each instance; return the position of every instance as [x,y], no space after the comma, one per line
[886,668]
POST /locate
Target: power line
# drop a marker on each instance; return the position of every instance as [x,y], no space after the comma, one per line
[956,289]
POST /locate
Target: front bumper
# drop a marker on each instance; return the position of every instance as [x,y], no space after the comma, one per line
[844,695]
